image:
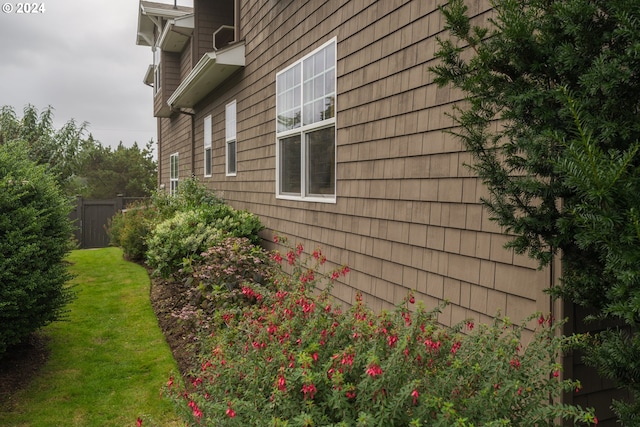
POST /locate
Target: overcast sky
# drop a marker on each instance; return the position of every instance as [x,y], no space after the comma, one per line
[81,58]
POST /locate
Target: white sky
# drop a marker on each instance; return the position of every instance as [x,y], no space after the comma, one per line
[81,58]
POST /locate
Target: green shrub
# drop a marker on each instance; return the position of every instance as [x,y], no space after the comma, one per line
[190,222]
[190,232]
[129,229]
[186,235]
[35,236]
[191,194]
[292,359]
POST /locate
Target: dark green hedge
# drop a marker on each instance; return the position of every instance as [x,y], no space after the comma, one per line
[35,236]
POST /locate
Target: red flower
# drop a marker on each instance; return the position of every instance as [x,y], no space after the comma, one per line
[138,422]
[455,347]
[470,326]
[230,412]
[282,383]
[556,374]
[276,238]
[412,299]
[309,389]
[595,420]
[374,370]
[415,395]
[196,411]
[392,340]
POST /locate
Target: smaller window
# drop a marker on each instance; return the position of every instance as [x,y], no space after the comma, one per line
[207,146]
[231,146]
[173,173]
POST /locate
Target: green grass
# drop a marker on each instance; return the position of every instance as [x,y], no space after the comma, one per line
[108,361]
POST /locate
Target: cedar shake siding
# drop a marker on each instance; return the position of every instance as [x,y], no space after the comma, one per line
[406,213]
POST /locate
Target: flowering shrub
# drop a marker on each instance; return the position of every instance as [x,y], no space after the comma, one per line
[294,359]
[215,279]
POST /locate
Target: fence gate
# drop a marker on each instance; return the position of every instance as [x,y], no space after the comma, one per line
[91,217]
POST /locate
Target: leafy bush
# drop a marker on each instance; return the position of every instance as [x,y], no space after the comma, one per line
[129,229]
[191,194]
[35,236]
[187,234]
[215,280]
[293,359]
[194,220]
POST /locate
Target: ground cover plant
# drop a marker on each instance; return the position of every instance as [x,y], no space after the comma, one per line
[107,363]
[287,357]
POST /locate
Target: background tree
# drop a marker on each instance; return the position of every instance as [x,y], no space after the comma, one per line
[562,77]
[105,172]
[57,149]
[80,163]
[35,236]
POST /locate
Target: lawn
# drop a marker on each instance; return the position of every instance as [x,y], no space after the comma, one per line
[108,361]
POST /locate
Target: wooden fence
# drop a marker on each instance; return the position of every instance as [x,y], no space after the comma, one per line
[91,217]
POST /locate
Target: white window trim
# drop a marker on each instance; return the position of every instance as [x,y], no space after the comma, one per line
[157,54]
[208,146]
[231,135]
[173,179]
[302,130]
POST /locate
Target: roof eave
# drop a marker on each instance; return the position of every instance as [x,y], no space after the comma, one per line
[209,73]
[177,33]
[149,12]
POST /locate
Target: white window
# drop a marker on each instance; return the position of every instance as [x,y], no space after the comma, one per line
[207,146]
[306,127]
[231,145]
[173,173]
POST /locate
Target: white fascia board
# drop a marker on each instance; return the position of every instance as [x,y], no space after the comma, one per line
[176,34]
[149,14]
[148,76]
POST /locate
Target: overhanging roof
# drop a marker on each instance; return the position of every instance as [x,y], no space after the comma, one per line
[151,14]
[148,76]
[177,33]
[212,69]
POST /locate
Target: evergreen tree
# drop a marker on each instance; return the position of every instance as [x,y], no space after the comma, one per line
[104,172]
[562,80]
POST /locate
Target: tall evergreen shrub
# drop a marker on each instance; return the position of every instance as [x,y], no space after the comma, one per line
[562,78]
[35,236]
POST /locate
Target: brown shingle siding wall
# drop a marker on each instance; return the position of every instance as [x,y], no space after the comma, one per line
[209,16]
[176,138]
[407,213]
